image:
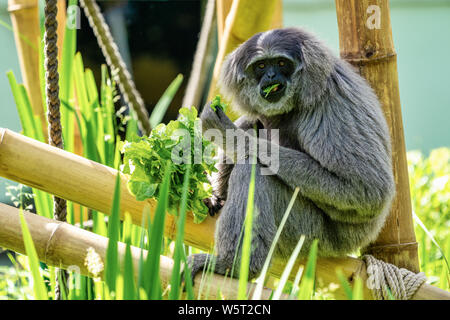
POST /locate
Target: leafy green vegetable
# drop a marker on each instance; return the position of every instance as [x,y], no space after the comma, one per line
[145,158]
[218,103]
[273,87]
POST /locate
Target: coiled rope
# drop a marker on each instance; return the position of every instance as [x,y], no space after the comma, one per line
[388,281]
[115,62]
[53,112]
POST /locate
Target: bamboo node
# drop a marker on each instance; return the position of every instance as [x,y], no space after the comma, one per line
[397,247]
[366,60]
[370,50]
[50,238]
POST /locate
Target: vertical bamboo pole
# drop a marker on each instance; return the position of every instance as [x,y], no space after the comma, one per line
[25,21]
[277,17]
[61,18]
[223,8]
[365,38]
[245,18]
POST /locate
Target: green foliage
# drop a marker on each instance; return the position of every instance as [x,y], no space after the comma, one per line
[246,244]
[273,87]
[112,257]
[179,253]
[306,289]
[144,160]
[430,194]
[40,291]
[153,286]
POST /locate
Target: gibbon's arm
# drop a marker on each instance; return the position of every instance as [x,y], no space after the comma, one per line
[347,198]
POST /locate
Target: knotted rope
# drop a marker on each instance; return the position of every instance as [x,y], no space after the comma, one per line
[115,62]
[389,281]
[53,104]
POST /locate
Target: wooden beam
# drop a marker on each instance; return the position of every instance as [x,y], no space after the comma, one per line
[365,38]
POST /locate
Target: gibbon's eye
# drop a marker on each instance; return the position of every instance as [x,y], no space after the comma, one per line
[261,65]
[281,63]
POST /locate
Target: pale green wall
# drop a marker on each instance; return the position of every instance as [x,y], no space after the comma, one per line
[421,31]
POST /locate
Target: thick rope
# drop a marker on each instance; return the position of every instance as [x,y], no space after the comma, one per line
[387,281]
[53,104]
[115,62]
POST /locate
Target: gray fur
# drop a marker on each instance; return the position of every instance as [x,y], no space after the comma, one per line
[334,146]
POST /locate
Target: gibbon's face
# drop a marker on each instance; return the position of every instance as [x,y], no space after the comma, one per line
[265,75]
[273,76]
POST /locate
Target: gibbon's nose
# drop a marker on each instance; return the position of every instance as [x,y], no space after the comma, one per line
[271,74]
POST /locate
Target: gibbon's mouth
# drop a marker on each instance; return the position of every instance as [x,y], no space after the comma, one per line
[273,91]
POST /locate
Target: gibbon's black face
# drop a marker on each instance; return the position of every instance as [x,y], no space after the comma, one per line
[273,76]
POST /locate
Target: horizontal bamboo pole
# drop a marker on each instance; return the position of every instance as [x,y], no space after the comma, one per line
[62,245]
[91,184]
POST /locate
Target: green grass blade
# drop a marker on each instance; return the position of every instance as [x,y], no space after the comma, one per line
[128,270]
[68,53]
[153,287]
[132,127]
[80,85]
[428,233]
[298,275]
[307,284]
[161,107]
[40,291]
[178,253]
[112,258]
[260,281]
[43,203]
[344,284]
[128,274]
[246,245]
[188,280]
[23,109]
[287,270]
[358,293]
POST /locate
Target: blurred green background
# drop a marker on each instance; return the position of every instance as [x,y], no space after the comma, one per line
[421,30]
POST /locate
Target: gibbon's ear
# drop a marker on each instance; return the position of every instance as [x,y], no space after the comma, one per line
[316,66]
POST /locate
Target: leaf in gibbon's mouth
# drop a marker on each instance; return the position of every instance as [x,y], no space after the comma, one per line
[273,88]
[218,103]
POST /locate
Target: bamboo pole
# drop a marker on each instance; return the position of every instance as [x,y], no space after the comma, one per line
[91,184]
[245,18]
[61,18]
[223,8]
[25,21]
[203,59]
[369,47]
[60,244]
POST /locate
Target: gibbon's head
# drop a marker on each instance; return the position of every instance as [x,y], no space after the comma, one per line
[275,71]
